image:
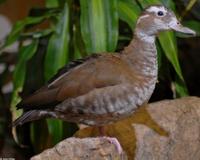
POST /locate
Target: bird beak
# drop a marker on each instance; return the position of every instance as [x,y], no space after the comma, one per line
[177,26]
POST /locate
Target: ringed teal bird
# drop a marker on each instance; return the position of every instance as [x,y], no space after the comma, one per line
[105,88]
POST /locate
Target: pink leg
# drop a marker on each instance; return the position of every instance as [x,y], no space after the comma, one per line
[115,142]
[111,140]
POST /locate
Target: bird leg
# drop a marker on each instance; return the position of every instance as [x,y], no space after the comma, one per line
[101,130]
[110,139]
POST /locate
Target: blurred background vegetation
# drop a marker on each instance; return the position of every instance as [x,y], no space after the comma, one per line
[47,34]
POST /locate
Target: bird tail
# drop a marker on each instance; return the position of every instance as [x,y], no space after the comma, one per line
[31,116]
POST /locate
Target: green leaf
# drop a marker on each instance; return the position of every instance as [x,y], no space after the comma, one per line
[170,50]
[40,138]
[169,4]
[37,34]
[19,27]
[180,90]
[25,54]
[79,47]
[99,25]
[111,18]
[171,53]
[55,128]
[146,3]
[189,6]
[195,25]
[93,25]
[52,3]
[128,12]
[57,51]
[56,57]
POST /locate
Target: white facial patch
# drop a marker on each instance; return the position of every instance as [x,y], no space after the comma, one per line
[142,17]
[173,22]
[155,9]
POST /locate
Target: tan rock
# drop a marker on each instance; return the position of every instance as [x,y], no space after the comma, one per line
[165,130]
[180,118]
[82,149]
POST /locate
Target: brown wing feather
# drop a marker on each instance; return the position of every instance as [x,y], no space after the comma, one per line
[46,96]
[98,72]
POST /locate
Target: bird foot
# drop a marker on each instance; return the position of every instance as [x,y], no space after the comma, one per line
[115,142]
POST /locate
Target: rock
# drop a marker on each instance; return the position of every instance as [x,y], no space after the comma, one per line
[165,130]
[82,149]
[180,118]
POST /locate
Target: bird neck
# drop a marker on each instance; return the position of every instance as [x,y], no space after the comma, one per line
[141,54]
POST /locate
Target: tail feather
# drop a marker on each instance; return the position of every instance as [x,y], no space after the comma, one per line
[31,116]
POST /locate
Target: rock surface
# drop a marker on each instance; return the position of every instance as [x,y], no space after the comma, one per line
[181,119]
[82,149]
[165,130]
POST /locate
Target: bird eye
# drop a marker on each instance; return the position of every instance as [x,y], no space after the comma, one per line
[160,13]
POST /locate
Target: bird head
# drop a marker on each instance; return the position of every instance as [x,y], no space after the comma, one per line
[155,19]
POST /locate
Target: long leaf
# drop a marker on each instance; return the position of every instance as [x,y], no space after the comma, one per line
[189,6]
[146,3]
[39,136]
[111,18]
[19,27]
[128,12]
[57,51]
[56,57]
[51,3]
[93,25]
[79,47]
[195,25]
[37,34]
[55,128]
[169,3]
[170,50]
[99,25]
[180,90]
[25,54]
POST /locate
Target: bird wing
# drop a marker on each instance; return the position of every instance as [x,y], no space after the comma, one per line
[84,76]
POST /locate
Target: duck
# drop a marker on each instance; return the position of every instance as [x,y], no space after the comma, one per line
[104,88]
